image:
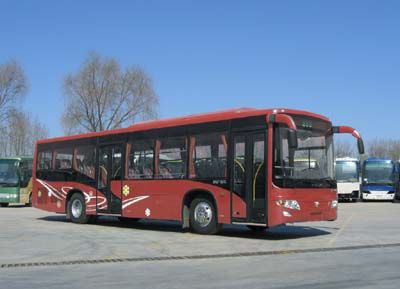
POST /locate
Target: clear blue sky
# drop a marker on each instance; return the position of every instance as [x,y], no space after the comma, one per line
[337,58]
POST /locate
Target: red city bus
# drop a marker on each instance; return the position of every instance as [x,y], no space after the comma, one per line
[256,167]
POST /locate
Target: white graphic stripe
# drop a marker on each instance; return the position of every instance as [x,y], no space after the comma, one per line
[51,191]
[102,201]
[131,201]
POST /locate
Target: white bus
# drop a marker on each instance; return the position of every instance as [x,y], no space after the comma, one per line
[348,179]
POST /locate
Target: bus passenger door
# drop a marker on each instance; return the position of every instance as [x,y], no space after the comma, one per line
[109,180]
[249,193]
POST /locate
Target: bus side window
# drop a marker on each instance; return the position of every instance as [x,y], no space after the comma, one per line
[172,158]
[44,160]
[140,159]
[83,162]
[63,159]
[208,156]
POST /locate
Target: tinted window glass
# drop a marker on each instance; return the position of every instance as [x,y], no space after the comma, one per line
[116,159]
[84,160]
[172,158]
[8,172]
[25,172]
[44,160]
[258,167]
[239,165]
[141,160]
[63,159]
[209,156]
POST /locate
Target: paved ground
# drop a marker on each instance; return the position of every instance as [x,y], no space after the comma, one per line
[359,250]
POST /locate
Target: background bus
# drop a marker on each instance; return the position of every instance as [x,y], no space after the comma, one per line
[231,167]
[15,180]
[379,179]
[348,178]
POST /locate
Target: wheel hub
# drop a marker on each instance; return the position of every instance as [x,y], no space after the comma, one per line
[76,208]
[203,214]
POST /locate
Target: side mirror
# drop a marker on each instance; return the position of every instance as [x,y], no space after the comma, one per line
[360,145]
[354,133]
[289,122]
[292,139]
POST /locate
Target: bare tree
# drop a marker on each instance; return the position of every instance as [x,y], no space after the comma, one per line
[384,148]
[18,124]
[102,96]
[344,149]
[21,133]
[13,86]
[38,130]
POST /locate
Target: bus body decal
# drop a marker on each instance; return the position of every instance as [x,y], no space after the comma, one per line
[128,202]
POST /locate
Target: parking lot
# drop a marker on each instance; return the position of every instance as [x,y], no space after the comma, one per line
[42,250]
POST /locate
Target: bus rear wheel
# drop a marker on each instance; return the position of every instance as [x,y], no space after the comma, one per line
[3,205]
[203,217]
[77,209]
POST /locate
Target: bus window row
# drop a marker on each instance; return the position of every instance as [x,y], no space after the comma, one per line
[204,156]
[80,159]
[196,157]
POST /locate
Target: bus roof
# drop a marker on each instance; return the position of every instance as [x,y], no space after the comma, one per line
[187,120]
[19,158]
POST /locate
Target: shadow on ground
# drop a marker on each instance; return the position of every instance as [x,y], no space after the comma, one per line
[14,206]
[237,231]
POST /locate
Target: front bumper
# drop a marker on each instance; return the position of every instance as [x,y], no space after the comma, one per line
[9,198]
[348,196]
[378,196]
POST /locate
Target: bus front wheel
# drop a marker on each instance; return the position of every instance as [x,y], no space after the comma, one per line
[203,217]
[77,209]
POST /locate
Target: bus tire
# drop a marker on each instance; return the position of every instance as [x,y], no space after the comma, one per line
[203,217]
[3,205]
[77,209]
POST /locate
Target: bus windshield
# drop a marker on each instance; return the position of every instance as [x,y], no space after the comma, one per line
[9,173]
[347,171]
[310,165]
[379,172]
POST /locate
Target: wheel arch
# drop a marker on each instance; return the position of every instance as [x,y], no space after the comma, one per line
[189,197]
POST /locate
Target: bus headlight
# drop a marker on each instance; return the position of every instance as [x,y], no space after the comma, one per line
[289,204]
[8,196]
[334,204]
